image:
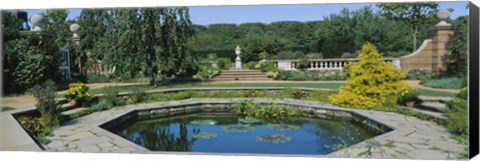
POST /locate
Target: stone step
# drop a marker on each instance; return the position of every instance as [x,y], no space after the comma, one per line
[233,79]
[62,100]
[434,106]
[66,106]
[435,99]
[431,113]
[73,111]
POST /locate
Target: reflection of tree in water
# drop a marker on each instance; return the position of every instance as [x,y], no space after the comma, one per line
[161,138]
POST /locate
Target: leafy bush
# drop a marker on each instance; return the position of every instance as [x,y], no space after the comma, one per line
[207,72]
[111,97]
[250,65]
[251,93]
[458,114]
[78,92]
[283,75]
[46,103]
[224,63]
[371,83]
[303,63]
[181,95]
[301,76]
[298,76]
[31,124]
[263,55]
[448,83]
[272,74]
[36,127]
[102,105]
[26,62]
[289,55]
[421,75]
[268,66]
[136,96]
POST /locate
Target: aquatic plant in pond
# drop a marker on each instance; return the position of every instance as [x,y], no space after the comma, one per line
[274,138]
[203,122]
[205,135]
[249,120]
[238,128]
[283,127]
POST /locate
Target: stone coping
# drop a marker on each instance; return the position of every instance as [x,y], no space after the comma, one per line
[411,138]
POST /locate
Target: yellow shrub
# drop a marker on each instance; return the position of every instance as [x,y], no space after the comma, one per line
[78,92]
[371,82]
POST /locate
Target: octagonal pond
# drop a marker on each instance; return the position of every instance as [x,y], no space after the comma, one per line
[230,133]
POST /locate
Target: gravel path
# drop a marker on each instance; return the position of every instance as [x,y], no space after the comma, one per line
[20,101]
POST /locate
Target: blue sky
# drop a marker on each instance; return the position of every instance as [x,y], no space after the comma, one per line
[205,15]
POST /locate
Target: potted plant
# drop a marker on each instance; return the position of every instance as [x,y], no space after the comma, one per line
[409,98]
[78,94]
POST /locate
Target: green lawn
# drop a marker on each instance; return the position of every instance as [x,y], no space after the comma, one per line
[199,85]
[7,108]
[427,92]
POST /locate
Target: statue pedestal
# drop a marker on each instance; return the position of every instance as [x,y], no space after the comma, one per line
[238,63]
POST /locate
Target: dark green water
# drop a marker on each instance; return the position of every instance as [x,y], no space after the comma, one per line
[226,133]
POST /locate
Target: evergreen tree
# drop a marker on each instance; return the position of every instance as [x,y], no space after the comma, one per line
[371,82]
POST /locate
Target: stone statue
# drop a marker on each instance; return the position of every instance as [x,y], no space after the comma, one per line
[238,61]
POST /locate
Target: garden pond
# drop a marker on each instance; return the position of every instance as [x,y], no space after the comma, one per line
[231,133]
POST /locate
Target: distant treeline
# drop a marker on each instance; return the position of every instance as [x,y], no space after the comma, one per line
[335,35]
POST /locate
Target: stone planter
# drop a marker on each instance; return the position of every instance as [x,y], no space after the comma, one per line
[410,104]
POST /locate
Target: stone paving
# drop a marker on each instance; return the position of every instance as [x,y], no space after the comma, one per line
[411,138]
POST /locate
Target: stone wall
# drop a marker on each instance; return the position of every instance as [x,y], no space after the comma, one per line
[433,53]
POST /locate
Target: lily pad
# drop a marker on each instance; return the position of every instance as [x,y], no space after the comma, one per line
[205,135]
[273,138]
[283,127]
[249,120]
[238,128]
[203,122]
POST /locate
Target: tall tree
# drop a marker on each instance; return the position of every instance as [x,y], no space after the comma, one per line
[457,62]
[176,31]
[93,28]
[413,14]
[150,22]
[56,21]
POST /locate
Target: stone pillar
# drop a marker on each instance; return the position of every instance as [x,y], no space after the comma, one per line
[238,61]
[440,34]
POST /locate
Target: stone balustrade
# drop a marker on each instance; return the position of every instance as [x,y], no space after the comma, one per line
[326,64]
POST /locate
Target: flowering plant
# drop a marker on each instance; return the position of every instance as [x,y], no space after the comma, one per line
[408,95]
[78,92]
